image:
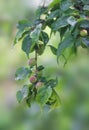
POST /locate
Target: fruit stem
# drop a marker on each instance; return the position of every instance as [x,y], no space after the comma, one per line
[36,58]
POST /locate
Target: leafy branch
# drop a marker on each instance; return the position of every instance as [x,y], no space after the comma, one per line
[71,19]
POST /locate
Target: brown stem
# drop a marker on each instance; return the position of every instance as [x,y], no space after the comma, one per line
[43,3]
[36,58]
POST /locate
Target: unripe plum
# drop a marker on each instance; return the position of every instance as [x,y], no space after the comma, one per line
[83,32]
[39,84]
[33,79]
[32,62]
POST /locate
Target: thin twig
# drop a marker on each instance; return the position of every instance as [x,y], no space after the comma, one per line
[43,3]
[36,58]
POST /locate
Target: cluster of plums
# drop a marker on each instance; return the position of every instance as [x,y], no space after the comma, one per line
[35,78]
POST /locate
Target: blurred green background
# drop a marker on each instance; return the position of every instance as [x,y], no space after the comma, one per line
[73,87]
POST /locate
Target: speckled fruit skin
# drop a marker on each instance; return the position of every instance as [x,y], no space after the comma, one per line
[83,33]
[33,79]
[32,62]
[39,84]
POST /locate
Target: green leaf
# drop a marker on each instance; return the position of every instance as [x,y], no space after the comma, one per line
[19,35]
[49,23]
[24,24]
[60,23]
[85,1]
[31,95]
[41,67]
[27,45]
[84,23]
[78,42]
[54,101]
[44,37]
[63,31]
[86,7]
[25,91]
[65,4]
[19,96]
[53,14]
[67,42]
[24,27]
[43,95]
[38,21]
[40,11]
[52,82]
[75,32]
[22,73]
[71,20]
[30,99]
[86,41]
[35,33]
[53,3]
[53,49]
[40,48]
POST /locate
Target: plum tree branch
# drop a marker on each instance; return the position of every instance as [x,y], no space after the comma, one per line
[36,58]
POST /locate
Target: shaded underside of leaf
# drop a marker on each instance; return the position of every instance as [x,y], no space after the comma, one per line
[54,101]
[43,95]
[44,37]
[53,49]
[67,42]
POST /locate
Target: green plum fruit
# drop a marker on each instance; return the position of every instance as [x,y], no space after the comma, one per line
[39,85]
[83,33]
[32,62]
